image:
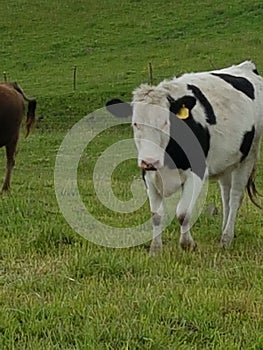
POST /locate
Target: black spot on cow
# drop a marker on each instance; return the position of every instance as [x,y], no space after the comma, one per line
[209,112]
[255,71]
[247,143]
[239,83]
[175,156]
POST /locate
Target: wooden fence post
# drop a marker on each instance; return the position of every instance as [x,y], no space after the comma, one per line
[150,74]
[74,78]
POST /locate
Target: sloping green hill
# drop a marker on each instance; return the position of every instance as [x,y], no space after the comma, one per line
[111,43]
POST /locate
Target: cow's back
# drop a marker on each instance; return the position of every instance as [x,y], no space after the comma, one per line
[235,94]
[11,113]
[234,97]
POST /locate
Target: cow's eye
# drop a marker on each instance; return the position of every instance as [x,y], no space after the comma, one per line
[135,125]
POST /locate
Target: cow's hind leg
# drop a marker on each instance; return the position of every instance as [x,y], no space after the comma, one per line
[225,186]
[239,180]
[10,162]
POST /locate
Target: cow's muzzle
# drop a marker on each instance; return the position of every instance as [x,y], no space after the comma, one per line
[150,165]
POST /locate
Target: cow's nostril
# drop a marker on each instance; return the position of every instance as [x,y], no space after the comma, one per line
[144,164]
[150,165]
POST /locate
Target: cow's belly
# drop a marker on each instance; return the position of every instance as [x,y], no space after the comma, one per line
[166,181]
[224,149]
[217,164]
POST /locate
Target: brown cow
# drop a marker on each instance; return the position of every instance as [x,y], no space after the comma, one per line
[11,113]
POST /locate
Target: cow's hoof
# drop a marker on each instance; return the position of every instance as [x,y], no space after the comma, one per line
[188,244]
[155,249]
[225,241]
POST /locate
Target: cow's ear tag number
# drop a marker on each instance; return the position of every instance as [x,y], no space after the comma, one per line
[183,113]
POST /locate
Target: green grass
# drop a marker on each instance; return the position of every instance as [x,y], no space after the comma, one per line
[59,291]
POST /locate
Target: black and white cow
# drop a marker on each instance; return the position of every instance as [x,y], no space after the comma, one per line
[198,126]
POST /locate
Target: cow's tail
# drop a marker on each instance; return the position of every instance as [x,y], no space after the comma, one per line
[30,120]
[252,190]
[31,108]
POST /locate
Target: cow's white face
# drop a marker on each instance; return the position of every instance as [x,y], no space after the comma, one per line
[151,126]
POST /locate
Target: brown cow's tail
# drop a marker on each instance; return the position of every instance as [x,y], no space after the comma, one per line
[31,108]
[30,119]
[252,190]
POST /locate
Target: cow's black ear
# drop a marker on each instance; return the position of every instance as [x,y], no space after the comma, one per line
[186,101]
[189,102]
[119,108]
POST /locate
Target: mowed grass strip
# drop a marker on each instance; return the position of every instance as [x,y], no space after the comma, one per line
[114,299]
[59,291]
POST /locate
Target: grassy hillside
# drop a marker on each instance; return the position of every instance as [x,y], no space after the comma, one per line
[112,42]
[59,291]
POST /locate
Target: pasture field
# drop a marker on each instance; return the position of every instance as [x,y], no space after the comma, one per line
[59,291]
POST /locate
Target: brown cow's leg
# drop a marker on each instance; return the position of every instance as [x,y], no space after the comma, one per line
[10,157]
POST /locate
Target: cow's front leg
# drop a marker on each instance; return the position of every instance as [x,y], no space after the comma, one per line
[157,209]
[190,193]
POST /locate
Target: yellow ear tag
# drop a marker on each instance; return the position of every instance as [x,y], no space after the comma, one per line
[183,113]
